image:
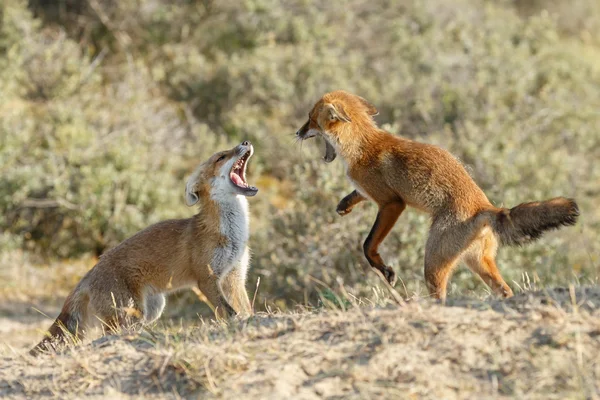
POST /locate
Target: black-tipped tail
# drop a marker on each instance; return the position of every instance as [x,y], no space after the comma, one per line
[528,221]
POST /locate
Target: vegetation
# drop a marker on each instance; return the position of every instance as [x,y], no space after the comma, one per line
[106,106]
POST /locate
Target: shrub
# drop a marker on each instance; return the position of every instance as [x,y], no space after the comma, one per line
[85,163]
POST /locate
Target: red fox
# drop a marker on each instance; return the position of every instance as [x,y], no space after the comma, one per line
[208,251]
[395,172]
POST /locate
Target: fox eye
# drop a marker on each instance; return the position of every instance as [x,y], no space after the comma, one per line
[220,158]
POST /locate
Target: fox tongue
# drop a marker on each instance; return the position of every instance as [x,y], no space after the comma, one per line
[235,178]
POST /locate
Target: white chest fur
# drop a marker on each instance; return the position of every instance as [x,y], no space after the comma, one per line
[234,221]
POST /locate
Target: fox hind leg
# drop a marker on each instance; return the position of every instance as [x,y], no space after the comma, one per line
[480,258]
[446,243]
[118,309]
[438,269]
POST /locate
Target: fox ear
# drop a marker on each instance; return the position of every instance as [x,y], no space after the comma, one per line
[191,197]
[371,110]
[337,112]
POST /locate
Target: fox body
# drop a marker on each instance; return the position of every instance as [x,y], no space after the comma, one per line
[208,250]
[395,172]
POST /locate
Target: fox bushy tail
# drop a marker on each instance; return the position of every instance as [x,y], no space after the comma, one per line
[528,221]
[68,324]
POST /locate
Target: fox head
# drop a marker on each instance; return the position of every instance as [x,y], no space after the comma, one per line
[222,176]
[331,116]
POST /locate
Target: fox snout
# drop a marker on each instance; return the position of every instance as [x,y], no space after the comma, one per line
[303,132]
[244,147]
[306,132]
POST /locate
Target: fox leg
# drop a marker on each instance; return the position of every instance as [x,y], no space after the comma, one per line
[118,309]
[234,289]
[386,218]
[480,259]
[347,203]
[211,289]
[438,268]
[233,285]
[153,307]
[446,242]
[130,309]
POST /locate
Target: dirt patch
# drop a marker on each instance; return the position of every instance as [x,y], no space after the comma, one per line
[536,345]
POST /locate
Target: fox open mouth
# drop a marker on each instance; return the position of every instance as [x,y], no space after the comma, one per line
[304,134]
[238,173]
[330,153]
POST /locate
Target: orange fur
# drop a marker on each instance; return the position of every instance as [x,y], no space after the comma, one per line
[395,172]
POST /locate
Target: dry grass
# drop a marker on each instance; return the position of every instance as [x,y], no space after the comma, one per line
[536,345]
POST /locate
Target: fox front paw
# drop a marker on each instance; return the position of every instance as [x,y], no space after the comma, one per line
[342,209]
[343,212]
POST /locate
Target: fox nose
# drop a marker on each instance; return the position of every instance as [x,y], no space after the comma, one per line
[302,130]
[245,143]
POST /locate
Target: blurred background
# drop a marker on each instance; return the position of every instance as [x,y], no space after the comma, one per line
[106,106]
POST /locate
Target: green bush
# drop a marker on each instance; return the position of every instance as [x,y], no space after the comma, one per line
[85,162]
[108,143]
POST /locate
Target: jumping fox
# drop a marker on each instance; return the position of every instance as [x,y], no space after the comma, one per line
[395,172]
[208,251]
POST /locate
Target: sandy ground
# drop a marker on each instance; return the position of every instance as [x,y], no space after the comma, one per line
[538,345]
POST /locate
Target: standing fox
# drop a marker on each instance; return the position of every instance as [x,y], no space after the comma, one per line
[208,251]
[395,172]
